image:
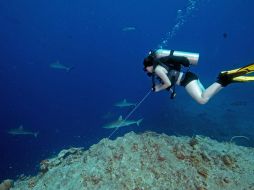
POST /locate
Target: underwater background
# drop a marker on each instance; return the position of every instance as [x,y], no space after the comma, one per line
[105,43]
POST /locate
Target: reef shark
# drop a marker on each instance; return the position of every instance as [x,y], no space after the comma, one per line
[20,131]
[128,28]
[58,65]
[124,103]
[122,123]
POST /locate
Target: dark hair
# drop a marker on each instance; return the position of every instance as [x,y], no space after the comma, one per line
[148,61]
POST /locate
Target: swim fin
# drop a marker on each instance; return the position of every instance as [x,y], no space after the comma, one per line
[236,75]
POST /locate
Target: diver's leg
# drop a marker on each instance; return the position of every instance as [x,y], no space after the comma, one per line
[211,91]
[196,90]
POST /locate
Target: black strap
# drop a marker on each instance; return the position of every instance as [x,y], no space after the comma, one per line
[171,52]
[153,81]
[173,87]
[173,93]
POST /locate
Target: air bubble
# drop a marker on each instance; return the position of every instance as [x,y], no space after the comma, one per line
[181,17]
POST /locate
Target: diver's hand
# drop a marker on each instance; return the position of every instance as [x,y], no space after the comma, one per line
[156,88]
[159,87]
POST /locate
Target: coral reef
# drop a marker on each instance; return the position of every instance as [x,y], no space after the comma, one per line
[147,161]
[6,184]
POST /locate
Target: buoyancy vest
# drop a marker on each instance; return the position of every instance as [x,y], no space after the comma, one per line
[173,66]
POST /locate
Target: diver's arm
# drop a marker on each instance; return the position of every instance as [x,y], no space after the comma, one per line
[164,78]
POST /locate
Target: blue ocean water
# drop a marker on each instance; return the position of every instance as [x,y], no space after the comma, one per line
[105,43]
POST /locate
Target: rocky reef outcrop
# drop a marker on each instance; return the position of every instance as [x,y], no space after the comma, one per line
[147,161]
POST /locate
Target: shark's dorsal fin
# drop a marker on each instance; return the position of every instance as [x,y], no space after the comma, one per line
[120,118]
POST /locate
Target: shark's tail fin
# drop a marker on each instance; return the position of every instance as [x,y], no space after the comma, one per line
[36,134]
[139,121]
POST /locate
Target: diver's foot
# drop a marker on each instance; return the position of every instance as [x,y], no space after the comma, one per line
[224,79]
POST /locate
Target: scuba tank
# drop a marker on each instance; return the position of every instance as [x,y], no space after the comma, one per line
[192,57]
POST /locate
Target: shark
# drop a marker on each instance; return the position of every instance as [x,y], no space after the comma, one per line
[120,122]
[20,131]
[128,28]
[124,103]
[58,65]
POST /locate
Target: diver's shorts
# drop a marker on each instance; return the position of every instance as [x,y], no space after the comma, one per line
[189,76]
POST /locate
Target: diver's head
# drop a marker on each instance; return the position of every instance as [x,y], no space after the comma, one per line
[148,63]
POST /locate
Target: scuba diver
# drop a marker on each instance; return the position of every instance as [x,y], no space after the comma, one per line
[164,67]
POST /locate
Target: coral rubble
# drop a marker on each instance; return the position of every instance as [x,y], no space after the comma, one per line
[147,161]
[6,184]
